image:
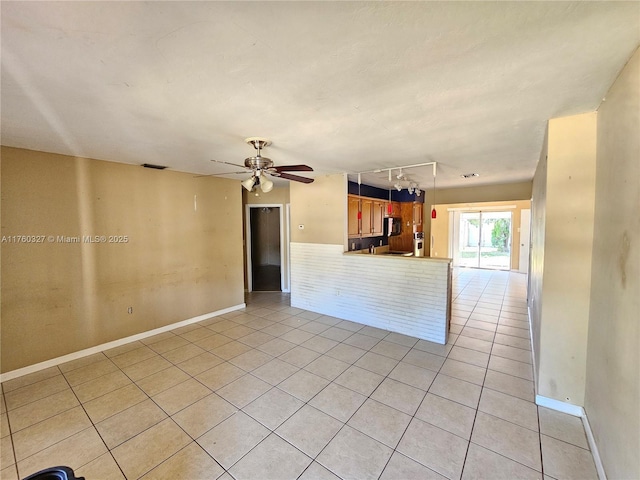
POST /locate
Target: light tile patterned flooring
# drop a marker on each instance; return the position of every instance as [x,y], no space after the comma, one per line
[275,392]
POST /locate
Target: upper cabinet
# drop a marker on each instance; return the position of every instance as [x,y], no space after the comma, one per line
[366,217]
[377,218]
[394,211]
[366,220]
[354,222]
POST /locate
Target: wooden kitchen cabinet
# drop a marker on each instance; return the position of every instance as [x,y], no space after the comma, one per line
[404,241]
[370,222]
[354,222]
[366,220]
[395,209]
[377,218]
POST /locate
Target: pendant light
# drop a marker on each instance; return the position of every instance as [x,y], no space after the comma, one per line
[359,199]
[389,206]
[433,207]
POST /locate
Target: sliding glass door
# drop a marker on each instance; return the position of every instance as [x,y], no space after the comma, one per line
[483,240]
[469,240]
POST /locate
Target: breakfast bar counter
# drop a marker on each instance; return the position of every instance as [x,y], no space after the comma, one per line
[402,294]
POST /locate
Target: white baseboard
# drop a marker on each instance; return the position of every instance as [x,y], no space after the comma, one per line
[568,408]
[533,350]
[116,343]
[594,448]
[559,406]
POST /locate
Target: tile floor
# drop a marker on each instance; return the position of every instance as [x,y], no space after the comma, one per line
[275,392]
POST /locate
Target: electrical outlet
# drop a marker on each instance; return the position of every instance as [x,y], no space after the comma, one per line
[130,310]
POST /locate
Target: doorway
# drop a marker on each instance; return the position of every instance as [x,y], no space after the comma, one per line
[482,239]
[264,248]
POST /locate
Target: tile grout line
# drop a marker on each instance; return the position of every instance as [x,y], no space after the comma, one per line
[13,445]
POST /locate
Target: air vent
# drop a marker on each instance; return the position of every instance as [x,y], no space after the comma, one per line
[151,165]
[470,175]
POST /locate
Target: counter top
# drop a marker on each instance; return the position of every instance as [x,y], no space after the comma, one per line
[386,254]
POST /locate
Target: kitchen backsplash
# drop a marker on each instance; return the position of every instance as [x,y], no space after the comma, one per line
[362,243]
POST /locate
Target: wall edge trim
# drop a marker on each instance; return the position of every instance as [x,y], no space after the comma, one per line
[115,343]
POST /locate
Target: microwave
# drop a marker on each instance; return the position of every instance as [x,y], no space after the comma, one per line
[393,226]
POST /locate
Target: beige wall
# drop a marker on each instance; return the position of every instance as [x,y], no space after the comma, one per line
[321,207]
[179,262]
[568,241]
[440,226]
[612,398]
[279,195]
[483,193]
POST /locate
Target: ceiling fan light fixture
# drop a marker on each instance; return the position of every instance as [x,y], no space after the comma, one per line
[249,183]
[266,185]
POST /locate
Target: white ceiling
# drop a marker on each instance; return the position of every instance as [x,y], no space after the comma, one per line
[340,86]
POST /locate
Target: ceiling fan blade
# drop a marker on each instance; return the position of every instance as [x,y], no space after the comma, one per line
[295,178]
[219,174]
[293,168]
[228,163]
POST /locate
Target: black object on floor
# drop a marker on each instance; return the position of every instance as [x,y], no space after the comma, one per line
[54,473]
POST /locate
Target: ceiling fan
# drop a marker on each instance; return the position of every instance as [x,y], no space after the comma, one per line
[260,166]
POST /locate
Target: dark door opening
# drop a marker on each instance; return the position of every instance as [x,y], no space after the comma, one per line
[265,249]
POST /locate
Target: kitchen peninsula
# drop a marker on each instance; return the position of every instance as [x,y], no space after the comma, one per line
[407,295]
[403,294]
